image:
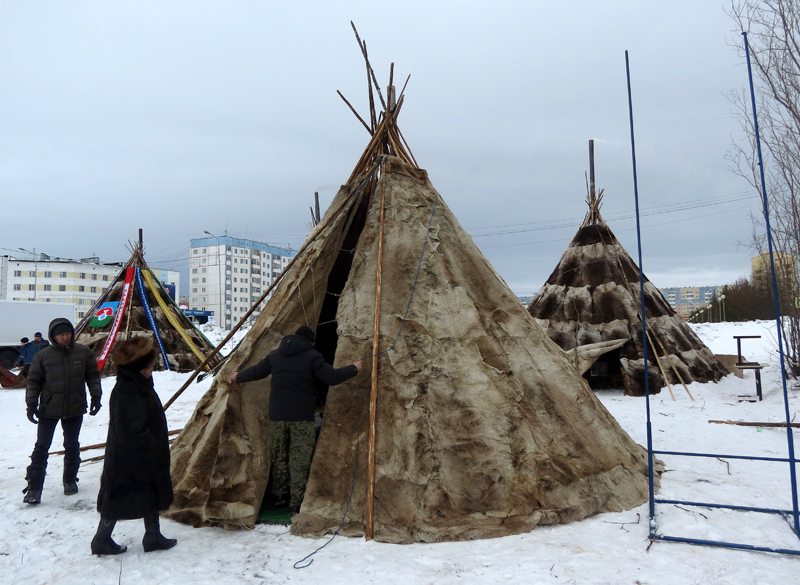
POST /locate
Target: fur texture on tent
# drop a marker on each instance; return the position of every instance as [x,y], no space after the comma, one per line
[483,427]
[180,356]
[593,296]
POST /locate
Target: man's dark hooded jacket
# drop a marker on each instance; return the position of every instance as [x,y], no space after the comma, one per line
[294,366]
[58,378]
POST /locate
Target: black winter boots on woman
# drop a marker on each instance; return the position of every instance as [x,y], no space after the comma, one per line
[153,539]
[102,544]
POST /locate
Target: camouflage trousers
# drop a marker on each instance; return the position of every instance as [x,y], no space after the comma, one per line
[292,451]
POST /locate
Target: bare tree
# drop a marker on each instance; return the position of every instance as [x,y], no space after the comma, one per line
[773,33]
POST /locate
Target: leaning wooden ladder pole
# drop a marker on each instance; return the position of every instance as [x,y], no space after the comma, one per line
[369,530]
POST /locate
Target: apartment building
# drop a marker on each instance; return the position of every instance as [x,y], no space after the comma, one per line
[685,300]
[228,275]
[57,280]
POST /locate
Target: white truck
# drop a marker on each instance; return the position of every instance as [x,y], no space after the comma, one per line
[20,319]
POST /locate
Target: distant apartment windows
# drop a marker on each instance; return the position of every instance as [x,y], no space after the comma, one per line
[31,287]
[204,299]
[194,270]
[62,287]
[81,289]
[204,269]
[204,280]
[18,273]
[93,289]
[194,290]
[194,300]
[32,273]
[47,287]
[194,261]
[205,260]
[204,290]
[94,277]
[17,287]
[81,315]
[105,277]
[194,281]
[204,251]
[48,274]
[236,270]
[82,275]
[62,274]
[195,251]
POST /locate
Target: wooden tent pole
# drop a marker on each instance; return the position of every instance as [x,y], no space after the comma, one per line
[660,367]
[373,396]
[98,445]
[674,369]
[591,170]
[320,228]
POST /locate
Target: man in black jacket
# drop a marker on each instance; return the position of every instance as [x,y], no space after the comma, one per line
[57,391]
[294,367]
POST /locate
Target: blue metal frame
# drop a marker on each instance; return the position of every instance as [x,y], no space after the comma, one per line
[794,513]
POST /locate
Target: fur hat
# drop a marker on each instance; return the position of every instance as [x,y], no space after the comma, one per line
[306,333]
[37,334]
[136,353]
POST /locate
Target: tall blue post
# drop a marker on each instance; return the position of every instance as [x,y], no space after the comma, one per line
[792,470]
[644,315]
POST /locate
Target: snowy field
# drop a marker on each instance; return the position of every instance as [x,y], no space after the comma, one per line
[49,543]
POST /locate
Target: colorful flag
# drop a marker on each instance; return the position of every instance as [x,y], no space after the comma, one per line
[105,314]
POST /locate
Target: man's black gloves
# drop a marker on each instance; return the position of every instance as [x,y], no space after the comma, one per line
[32,416]
[95,407]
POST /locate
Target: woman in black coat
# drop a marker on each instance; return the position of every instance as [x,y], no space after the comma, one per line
[135,481]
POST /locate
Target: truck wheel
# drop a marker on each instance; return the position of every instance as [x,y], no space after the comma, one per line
[7,358]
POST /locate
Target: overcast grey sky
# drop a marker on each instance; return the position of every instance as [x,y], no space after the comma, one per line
[185,116]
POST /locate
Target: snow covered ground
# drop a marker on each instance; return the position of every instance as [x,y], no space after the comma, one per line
[49,543]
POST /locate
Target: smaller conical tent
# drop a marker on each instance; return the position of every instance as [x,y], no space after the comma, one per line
[466,422]
[136,305]
[592,298]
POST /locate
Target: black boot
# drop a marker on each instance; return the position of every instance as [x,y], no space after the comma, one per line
[153,539]
[70,477]
[35,476]
[102,543]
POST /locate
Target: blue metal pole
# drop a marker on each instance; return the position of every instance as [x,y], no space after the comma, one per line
[644,317]
[792,471]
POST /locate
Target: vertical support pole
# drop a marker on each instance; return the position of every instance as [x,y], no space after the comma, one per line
[792,470]
[591,169]
[369,530]
[644,314]
[140,238]
[316,205]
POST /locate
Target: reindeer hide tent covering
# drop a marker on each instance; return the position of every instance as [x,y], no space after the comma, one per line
[144,309]
[483,427]
[593,296]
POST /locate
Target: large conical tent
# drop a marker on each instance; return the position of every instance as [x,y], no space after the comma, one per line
[482,427]
[136,305]
[592,298]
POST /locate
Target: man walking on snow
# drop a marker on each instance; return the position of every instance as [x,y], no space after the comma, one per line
[57,391]
[294,367]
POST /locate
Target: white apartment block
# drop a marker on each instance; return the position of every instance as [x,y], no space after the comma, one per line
[57,280]
[60,280]
[228,276]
